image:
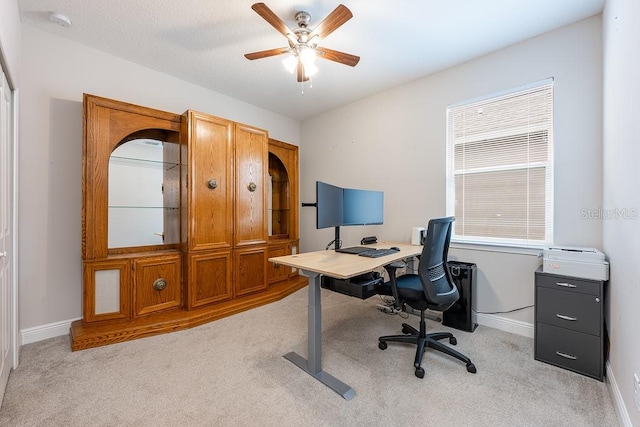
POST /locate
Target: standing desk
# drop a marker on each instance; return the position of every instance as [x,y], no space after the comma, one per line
[340,266]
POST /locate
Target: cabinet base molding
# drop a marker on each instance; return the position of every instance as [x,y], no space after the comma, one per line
[85,336]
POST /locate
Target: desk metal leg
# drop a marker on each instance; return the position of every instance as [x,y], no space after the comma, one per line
[314,365]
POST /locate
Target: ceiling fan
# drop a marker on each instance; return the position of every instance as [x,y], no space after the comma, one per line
[303,42]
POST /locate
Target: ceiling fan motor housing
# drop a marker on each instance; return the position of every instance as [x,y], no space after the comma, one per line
[303,19]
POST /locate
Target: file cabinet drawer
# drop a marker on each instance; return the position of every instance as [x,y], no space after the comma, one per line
[568,349]
[569,284]
[578,312]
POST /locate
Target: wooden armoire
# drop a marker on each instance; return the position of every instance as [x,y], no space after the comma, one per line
[180,214]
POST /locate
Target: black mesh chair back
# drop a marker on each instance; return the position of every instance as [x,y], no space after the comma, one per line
[441,293]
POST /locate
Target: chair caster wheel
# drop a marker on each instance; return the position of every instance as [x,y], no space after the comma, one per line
[471,368]
[382,345]
[453,341]
[419,372]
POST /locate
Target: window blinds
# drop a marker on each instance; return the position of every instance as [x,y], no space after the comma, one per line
[500,169]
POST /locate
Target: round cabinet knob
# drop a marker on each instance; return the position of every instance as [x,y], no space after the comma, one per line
[252,187]
[159,284]
[212,184]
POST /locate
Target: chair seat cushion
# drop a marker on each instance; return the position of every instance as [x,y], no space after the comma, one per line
[410,291]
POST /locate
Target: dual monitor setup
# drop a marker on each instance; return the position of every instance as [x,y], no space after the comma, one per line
[337,207]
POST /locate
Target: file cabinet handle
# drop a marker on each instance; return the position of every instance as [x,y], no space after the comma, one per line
[565,355]
[563,317]
[566,285]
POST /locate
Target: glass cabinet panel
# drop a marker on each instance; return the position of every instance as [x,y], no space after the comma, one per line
[279,198]
[143,194]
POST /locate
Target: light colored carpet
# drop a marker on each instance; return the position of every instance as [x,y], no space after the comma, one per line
[231,372]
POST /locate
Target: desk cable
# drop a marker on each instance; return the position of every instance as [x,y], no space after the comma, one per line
[388,307]
[503,312]
[337,244]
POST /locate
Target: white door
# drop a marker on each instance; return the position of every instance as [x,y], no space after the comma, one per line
[6,305]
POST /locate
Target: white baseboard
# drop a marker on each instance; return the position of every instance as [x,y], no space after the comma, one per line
[57,329]
[43,332]
[618,403]
[507,325]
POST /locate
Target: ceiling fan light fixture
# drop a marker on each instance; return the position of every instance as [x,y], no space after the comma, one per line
[310,70]
[307,56]
[290,63]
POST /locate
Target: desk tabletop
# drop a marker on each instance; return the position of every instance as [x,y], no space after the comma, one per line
[343,266]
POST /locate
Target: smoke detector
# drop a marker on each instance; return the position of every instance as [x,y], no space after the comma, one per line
[60,19]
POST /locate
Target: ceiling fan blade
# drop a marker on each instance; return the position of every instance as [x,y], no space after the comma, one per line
[266,53]
[268,15]
[300,72]
[341,57]
[335,19]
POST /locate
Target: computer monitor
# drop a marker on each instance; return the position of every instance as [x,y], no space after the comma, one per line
[362,207]
[330,205]
[336,206]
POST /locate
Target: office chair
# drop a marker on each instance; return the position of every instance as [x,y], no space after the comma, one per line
[432,288]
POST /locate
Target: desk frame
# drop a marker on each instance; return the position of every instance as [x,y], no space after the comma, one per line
[313,366]
[313,267]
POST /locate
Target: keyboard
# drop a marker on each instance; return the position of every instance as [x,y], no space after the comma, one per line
[354,250]
[375,253]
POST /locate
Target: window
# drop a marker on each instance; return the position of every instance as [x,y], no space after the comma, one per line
[500,167]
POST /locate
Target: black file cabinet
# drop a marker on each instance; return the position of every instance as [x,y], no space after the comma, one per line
[569,323]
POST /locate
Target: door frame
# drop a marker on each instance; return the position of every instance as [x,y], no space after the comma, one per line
[12,244]
[13,145]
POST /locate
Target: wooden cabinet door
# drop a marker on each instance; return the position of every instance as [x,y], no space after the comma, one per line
[107,123]
[250,269]
[157,284]
[209,277]
[107,285]
[209,181]
[251,163]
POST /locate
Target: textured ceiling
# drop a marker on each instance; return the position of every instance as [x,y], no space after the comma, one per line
[203,41]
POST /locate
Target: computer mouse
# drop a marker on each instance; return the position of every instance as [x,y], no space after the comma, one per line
[395,248]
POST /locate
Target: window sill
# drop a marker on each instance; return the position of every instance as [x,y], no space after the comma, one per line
[493,247]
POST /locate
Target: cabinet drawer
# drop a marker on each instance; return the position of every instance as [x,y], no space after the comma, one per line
[578,312]
[277,272]
[157,284]
[569,284]
[568,349]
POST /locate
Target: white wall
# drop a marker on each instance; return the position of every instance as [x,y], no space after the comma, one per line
[55,73]
[10,40]
[621,234]
[395,142]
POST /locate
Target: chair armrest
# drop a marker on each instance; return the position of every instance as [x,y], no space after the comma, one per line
[391,270]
